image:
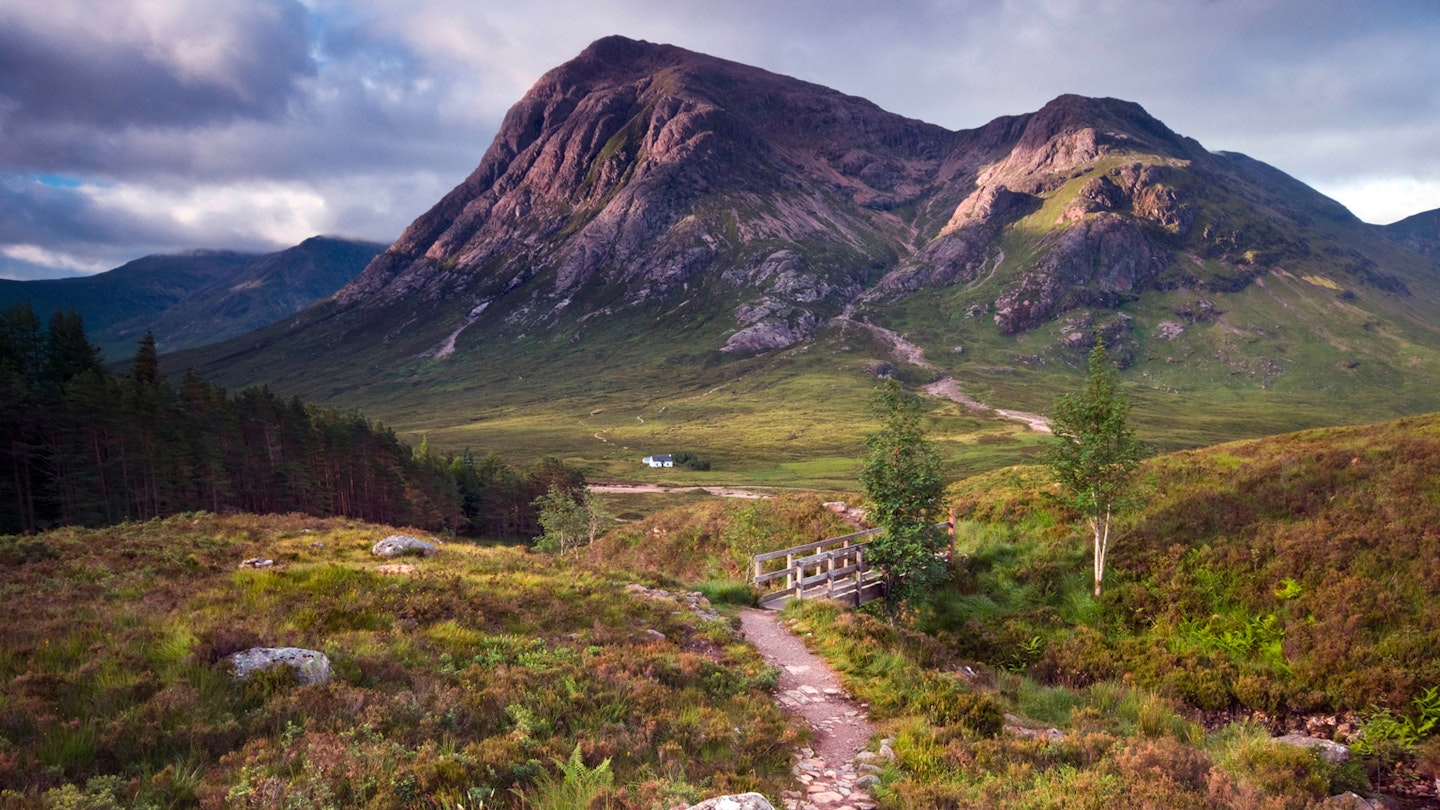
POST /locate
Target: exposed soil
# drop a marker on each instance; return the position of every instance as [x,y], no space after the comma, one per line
[723,492]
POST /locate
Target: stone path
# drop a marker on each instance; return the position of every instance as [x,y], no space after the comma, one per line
[837,770]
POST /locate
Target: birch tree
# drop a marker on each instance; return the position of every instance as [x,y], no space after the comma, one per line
[1095,452]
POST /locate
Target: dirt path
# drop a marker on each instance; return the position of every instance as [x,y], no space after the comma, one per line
[830,772]
[723,492]
[949,388]
[946,387]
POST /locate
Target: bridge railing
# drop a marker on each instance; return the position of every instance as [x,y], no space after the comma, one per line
[835,568]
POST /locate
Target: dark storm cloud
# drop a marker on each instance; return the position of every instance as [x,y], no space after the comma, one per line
[74,80]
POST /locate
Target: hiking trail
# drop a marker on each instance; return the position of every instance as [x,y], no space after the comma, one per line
[838,769]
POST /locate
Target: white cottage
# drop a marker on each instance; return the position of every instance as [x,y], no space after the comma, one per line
[658,461]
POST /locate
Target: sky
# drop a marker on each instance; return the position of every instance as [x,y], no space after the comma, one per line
[132,127]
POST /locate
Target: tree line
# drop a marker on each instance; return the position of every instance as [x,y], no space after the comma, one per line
[82,445]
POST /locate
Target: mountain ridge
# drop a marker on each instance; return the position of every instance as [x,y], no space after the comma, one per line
[195,297]
[668,221]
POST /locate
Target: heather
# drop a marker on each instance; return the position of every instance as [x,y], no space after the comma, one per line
[1287,576]
[483,674]
[1253,588]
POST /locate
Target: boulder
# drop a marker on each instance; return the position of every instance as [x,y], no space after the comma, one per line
[311,667]
[743,801]
[397,545]
[1332,752]
[1351,801]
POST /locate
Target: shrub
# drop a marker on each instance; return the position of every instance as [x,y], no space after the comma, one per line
[946,700]
[685,458]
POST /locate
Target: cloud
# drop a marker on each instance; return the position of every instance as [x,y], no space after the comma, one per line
[148,63]
[239,123]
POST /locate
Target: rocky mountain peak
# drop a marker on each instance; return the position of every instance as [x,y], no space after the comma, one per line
[638,174]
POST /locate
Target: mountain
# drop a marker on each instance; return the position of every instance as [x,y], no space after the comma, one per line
[1420,233]
[265,290]
[137,289]
[650,224]
[195,298]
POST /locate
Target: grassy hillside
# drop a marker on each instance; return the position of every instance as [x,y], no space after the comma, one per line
[1257,587]
[1295,350]
[1290,575]
[794,418]
[475,677]
[1284,584]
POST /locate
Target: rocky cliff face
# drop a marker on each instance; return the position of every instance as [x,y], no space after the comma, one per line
[640,174]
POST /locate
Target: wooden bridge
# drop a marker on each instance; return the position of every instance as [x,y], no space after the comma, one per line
[826,569]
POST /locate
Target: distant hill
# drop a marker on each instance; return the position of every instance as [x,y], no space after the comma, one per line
[262,291]
[681,246]
[196,298]
[137,289]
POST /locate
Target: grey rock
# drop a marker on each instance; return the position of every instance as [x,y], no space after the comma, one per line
[257,562]
[743,801]
[1332,752]
[311,667]
[1169,330]
[397,545]
[1351,801]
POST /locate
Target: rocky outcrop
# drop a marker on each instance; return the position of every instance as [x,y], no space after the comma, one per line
[1096,263]
[1351,801]
[695,601]
[309,666]
[398,545]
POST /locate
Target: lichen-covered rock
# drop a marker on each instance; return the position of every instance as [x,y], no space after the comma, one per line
[310,666]
[398,545]
[743,801]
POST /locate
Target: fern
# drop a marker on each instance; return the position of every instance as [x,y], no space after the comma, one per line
[575,788]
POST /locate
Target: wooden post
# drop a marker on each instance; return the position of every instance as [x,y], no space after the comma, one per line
[859,576]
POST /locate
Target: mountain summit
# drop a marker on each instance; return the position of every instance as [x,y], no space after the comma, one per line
[723,212]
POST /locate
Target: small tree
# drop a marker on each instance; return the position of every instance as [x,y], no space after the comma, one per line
[568,520]
[901,478]
[1095,451]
